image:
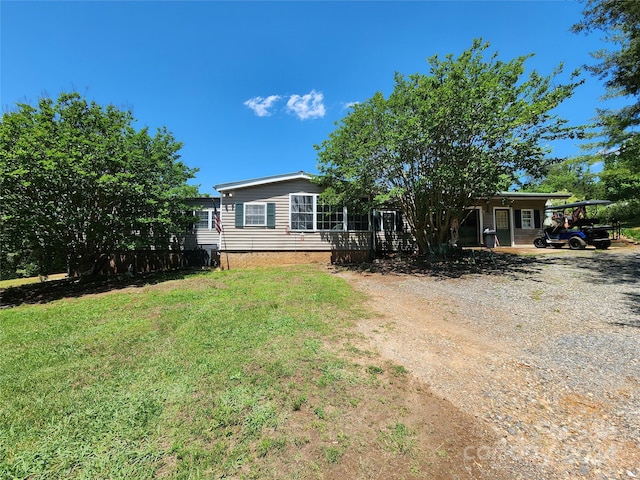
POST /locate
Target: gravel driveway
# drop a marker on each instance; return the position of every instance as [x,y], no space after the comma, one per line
[543,348]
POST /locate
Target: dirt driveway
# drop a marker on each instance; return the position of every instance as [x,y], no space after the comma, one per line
[542,350]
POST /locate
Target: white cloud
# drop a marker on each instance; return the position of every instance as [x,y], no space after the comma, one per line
[261,106]
[307,106]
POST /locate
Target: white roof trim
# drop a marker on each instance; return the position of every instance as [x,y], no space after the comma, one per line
[534,195]
[222,187]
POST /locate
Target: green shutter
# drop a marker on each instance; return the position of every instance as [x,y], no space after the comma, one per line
[399,222]
[536,218]
[239,215]
[518,218]
[271,215]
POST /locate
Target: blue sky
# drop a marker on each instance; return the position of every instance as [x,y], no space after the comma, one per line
[250,87]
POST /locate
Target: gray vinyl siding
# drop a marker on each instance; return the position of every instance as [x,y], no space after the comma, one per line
[202,236]
[525,236]
[399,240]
[521,236]
[280,238]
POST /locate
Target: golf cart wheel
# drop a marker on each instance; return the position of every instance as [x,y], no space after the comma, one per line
[576,243]
[603,245]
[540,243]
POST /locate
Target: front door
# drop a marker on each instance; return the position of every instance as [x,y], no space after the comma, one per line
[503,227]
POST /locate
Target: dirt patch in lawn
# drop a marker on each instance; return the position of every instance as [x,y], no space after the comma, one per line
[396,428]
[450,443]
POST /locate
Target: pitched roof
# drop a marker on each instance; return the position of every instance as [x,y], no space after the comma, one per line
[283,177]
[252,182]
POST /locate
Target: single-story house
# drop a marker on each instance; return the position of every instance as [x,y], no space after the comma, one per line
[279,219]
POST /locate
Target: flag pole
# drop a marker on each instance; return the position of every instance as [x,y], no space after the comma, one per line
[221,237]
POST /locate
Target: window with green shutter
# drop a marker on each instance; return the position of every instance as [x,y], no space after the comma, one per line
[255,214]
[527,218]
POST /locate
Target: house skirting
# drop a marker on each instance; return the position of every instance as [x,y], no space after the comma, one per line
[229,260]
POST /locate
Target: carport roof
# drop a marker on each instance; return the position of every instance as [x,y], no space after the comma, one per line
[531,195]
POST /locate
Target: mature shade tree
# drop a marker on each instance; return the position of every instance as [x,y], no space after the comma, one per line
[442,141]
[78,182]
[620,68]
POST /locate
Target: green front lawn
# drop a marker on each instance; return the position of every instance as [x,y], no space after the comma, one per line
[244,374]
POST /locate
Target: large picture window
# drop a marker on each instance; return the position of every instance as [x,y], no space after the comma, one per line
[307,214]
[330,218]
[302,211]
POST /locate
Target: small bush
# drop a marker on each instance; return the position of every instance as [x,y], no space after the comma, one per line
[624,211]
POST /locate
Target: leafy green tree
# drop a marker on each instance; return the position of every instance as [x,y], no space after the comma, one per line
[78,181]
[574,175]
[441,141]
[620,68]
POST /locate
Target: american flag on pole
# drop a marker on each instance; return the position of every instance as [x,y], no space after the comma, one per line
[216,221]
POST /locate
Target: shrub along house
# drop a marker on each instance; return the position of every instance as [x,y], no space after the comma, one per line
[280,219]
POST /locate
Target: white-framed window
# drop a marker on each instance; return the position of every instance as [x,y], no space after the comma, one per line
[302,211]
[307,214]
[330,218]
[527,218]
[206,219]
[387,221]
[255,214]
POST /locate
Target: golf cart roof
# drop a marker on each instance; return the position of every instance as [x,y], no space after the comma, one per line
[584,203]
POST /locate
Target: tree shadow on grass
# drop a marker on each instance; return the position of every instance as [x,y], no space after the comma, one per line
[45,292]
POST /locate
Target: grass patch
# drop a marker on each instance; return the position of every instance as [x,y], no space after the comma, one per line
[188,378]
[397,438]
[632,233]
[16,282]
[235,374]
[537,295]
[375,370]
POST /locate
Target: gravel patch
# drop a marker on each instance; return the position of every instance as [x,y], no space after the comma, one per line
[544,349]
